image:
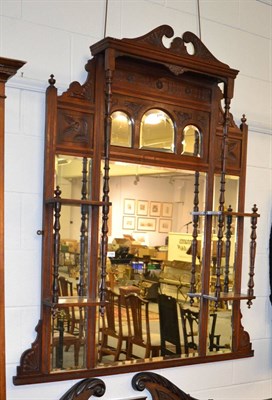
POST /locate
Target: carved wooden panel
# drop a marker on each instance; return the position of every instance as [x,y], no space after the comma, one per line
[159,85]
[234,154]
[75,129]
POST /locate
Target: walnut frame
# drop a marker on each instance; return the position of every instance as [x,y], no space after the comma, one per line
[192,79]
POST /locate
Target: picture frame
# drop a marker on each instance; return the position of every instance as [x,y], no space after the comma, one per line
[167,210]
[142,207]
[129,206]
[165,225]
[155,209]
[146,224]
[128,222]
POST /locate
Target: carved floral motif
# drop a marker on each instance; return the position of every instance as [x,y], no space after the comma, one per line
[73,127]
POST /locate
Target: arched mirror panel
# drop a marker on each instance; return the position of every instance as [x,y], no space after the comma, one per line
[157,131]
[143,215]
[192,144]
[121,129]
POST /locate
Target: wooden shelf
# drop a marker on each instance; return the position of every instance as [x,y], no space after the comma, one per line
[68,301]
[76,202]
[226,213]
[230,296]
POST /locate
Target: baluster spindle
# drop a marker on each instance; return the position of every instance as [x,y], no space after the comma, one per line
[219,250]
[252,253]
[228,249]
[105,208]
[195,234]
[56,227]
[83,229]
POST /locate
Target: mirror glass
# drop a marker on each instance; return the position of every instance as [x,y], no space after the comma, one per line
[121,129]
[149,254]
[68,333]
[229,232]
[68,323]
[192,141]
[157,131]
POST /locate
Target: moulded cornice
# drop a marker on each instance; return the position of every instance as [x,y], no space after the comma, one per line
[9,67]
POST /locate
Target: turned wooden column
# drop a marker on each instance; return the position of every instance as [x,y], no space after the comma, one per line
[8,68]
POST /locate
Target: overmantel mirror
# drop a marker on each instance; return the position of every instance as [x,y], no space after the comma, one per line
[144,189]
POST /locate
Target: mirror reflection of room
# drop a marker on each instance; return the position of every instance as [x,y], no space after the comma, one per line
[148,311]
[150,257]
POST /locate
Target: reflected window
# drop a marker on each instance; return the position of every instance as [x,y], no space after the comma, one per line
[192,141]
[121,130]
[157,131]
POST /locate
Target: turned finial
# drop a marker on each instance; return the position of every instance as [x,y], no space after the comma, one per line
[51,80]
[243,119]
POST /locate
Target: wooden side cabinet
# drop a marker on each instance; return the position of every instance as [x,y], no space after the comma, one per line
[8,68]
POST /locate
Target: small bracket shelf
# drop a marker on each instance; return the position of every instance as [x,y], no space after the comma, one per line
[76,202]
[223,296]
[68,301]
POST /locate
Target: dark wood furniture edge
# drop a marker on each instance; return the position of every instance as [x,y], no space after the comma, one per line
[8,68]
[84,389]
[159,387]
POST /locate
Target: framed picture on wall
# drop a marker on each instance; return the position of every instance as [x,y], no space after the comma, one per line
[146,224]
[142,207]
[155,209]
[128,222]
[165,225]
[129,206]
[167,210]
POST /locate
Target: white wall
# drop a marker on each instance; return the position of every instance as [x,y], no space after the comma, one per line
[54,37]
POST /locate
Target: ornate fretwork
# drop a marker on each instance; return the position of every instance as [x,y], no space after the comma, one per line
[244,339]
[85,91]
[178,45]
[31,358]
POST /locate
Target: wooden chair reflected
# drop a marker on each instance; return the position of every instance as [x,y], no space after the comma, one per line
[139,327]
[213,337]
[62,341]
[68,327]
[112,327]
[190,322]
[169,327]
[73,313]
